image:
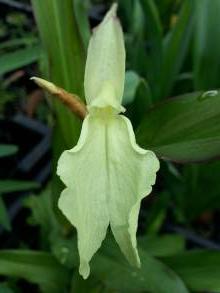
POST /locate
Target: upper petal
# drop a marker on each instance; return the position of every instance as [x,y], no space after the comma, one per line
[105,65]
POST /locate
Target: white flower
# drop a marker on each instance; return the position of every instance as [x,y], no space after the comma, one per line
[106,174]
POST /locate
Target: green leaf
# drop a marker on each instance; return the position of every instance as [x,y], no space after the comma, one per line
[200,269]
[4,218]
[192,193]
[19,58]
[64,65]
[65,251]
[153,276]
[42,210]
[7,150]
[153,39]
[82,12]
[157,213]
[43,215]
[184,129]
[125,10]
[136,88]
[137,97]
[165,245]
[16,42]
[207,47]
[144,42]
[65,53]
[142,102]
[112,269]
[92,285]
[7,186]
[36,267]
[132,81]
[175,48]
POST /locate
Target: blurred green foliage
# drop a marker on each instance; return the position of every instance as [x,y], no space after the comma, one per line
[172,50]
[10,186]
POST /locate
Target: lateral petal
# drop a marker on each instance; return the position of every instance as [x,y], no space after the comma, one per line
[132,172]
[83,202]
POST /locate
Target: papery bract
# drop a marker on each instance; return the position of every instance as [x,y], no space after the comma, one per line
[106,174]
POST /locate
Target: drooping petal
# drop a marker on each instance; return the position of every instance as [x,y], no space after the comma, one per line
[132,172]
[106,176]
[83,202]
[105,65]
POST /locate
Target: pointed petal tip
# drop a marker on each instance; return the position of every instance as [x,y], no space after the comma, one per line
[137,262]
[84,269]
[105,65]
[114,8]
[112,11]
[111,15]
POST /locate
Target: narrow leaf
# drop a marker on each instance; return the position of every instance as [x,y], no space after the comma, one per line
[36,267]
[65,59]
[64,65]
[207,47]
[7,186]
[153,39]
[175,48]
[82,18]
[19,58]
[4,218]
[16,42]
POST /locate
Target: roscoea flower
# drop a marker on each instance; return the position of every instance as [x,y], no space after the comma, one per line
[106,174]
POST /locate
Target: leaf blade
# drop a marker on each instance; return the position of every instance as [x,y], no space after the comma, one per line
[206,49]
[22,57]
[200,269]
[65,63]
[153,276]
[4,218]
[7,186]
[183,129]
[36,267]
[175,48]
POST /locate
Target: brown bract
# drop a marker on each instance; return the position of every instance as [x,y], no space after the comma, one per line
[72,101]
